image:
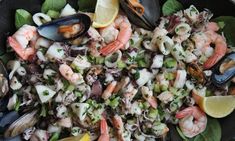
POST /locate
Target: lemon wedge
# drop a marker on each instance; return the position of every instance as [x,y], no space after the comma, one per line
[216,106]
[105,12]
[85,137]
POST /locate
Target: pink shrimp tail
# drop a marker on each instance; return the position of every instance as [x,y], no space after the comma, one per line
[111,48]
[152,101]
[123,37]
[220,51]
[23,53]
[195,111]
[212,26]
[103,130]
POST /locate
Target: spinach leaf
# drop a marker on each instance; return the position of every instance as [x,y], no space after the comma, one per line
[171,6]
[55,5]
[227,25]
[22,17]
[87,5]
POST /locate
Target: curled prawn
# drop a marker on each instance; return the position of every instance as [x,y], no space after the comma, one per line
[23,41]
[125,31]
[192,121]
[104,130]
[118,125]
[109,90]
[220,45]
[68,74]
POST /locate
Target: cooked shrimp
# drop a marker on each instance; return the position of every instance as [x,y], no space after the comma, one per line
[219,51]
[148,95]
[68,74]
[180,79]
[118,125]
[192,121]
[220,45]
[104,130]
[109,90]
[125,31]
[23,41]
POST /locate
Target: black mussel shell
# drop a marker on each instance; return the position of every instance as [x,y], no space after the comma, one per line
[3,70]
[60,29]
[150,17]
[6,119]
[16,138]
[219,79]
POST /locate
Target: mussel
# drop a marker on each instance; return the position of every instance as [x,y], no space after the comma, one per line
[21,124]
[196,72]
[4,88]
[67,28]
[146,16]
[224,70]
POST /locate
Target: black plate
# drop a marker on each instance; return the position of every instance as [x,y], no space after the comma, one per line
[218,7]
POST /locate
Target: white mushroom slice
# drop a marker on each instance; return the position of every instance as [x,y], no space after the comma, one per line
[40,18]
[13,65]
[80,109]
[55,51]
[68,10]
[180,78]
[157,61]
[15,84]
[80,63]
[62,111]
[12,102]
[48,73]
[40,135]
[21,71]
[182,29]
[165,44]
[189,57]
[144,77]
[178,52]
[42,42]
[135,109]
[165,97]
[44,93]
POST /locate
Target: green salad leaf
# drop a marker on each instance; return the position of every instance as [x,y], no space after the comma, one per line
[171,6]
[87,5]
[22,17]
[55,5]
[211,133]
[227,26]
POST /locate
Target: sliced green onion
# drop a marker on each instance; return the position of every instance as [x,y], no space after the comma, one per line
[17,105]
[121,64]
[55,136]
[113,102]
[153,113]
[53,14]
[141,63]
[170,63]
[157,88]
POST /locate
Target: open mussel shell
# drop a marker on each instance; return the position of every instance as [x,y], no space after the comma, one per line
[3,69]
[21,124]
[67,28]
[4,87]
[6,119]
[16,138]
[150,17]
[220,78]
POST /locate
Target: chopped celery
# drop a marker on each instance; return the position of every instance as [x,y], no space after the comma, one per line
[70,88]
[113,102]
[78,94]
[141,63]
[164,87]
[170,63]
[146,105]
[55,136]
[99,60]
[53,14]
[121,64]
[153,113]
[169,76]
[17,105]
[141,105]
[157,88]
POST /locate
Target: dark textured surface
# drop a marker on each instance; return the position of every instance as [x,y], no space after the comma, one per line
[218,7]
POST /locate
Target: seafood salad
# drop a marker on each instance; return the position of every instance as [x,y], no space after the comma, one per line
[121,82]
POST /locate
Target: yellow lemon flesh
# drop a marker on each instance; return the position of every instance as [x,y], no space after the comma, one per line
[105,13]
[85,137]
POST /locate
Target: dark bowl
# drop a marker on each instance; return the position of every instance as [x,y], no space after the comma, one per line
[218,7]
